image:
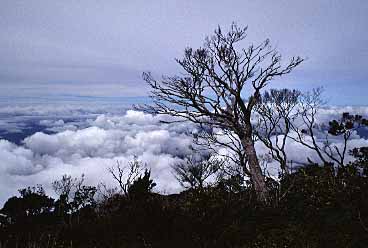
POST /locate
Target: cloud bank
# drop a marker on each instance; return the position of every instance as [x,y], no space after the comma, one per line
[96,143]
[43,157]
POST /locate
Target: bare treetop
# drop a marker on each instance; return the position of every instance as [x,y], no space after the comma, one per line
[216,78]
[212,90]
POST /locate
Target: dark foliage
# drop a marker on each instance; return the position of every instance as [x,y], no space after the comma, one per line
[142,186]
[31,203]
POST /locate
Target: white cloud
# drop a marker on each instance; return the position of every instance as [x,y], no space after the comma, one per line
[95,144]
[44,157]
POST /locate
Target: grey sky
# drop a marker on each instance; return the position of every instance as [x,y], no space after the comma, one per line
[100,48]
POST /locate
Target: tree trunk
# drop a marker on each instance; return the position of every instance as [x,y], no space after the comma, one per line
[257,178]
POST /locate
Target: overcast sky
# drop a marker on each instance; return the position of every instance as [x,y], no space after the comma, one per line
[100,48]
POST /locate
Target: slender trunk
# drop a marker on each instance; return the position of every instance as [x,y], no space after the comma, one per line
[257,178]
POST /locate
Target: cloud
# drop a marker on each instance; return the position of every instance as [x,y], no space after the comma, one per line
[92,150]
[97,142]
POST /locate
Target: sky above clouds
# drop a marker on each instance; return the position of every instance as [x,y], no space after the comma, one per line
[100,48]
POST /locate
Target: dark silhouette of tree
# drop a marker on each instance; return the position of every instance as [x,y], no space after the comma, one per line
[211,92]
[74,195]
[289,114]
[64,188]
[105,192]
[32,202]
[277,111]
[84,196]
[126,175]
[142,186]
[193,172]
[309,131]
[212,139]
[361,156]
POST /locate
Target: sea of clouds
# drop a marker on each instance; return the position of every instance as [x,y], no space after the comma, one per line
[76,140]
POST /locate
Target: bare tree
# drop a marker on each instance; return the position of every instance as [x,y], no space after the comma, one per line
[193,172]
[73,195]
[126,175]
[217,77]
[67,188]
[300,116]
[306,126]
[289,114]
[212,140]
[105,192]
[277,111]
[64,186]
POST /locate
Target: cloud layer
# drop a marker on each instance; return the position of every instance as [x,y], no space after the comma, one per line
[92,150]
[96,143]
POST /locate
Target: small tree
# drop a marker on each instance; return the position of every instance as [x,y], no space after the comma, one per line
[106,192]
[126,175]
[277,112]
[33,201]
[64,187]
[312,134]
[214,139]
[73,195]
[212,90]
[142,186]
[361,159]
[84,196]
[193,173]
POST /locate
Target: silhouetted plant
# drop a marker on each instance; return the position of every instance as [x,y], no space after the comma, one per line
[126,175]
[361,156]
[277,110]
[32,202]
[211,91]
[195,170]
[142,186]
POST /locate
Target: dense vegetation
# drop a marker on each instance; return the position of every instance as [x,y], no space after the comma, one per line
[315,206]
